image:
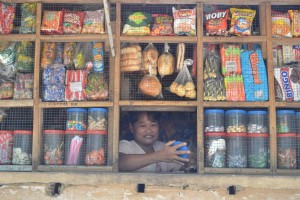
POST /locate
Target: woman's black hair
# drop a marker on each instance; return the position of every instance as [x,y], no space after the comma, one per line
[135,115]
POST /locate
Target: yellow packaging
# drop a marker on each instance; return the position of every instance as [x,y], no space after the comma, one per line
[241,21]
[295,17]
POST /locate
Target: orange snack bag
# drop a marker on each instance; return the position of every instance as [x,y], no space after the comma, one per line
[241,21]
[295,17]
[281,24]
[216,23]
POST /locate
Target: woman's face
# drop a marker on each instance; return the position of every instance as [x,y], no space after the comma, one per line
[145,131]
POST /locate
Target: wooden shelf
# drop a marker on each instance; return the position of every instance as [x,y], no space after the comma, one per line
[55,1]
[228,2]
[64,168]
[157,103]
[223,104]
[288,172]
[159,39]
[16,168]
[237,170]
[18,37]
[16,103]
[286,41]
[288,104]
[245,39]
[75,104]
[74,38]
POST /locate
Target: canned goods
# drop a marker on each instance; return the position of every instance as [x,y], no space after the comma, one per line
[53,147]
[22,147]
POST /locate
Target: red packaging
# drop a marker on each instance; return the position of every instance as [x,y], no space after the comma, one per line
[6,147]
[7,16]
[216,23]
[52,22]
[162,25]
[75,84]
[73,22]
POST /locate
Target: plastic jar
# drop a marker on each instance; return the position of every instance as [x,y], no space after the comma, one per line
[97,119]
[258,150]
[286,151]
[285,120]
[6,147]
[213,120]
[215,149]
[22,147]
[257,121]
[53,147]
[96,146]
[236,150]
[235,121]
[76,119]
[74,147]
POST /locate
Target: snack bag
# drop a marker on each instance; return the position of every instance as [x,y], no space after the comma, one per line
[7,16]
[281,24]
[241,21]
[255,75]
[234,85]
[97,87]
[216,23]
[69,52]
[98,57]
[54,93]
[162,25]
[54,74]
[48,54]
[137,23]
[230,54]
[184,21]
[295,15]
[7,60]
[52,22]
[28,12]
[24,60]
[149,59]
[6,89]
[183,85]
[59,51]
[75,85]
[73,22]
[23,87]
[93,22]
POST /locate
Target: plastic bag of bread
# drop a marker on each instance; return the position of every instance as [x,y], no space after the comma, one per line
[150,86]
[183,85]
[150,57]
[131,58]
[166,63]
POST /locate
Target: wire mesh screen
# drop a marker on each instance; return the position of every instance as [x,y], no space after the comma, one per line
[75,136]
[74,71]
[16,137]
[179,126]
[236,138]
[72,19]
[225,20]
[287,124]
[235,72]
[150,76]
[17,63]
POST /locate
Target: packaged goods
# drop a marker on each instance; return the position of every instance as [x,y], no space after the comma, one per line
[235,121]
[234,88]
[69,53]
[216,23]
[150,85]
[6,90]
[93,22]
[54,75]
[285,121]
[180,52]
[23,87]
[255,75]
[294,16]
[131,58]
[287,84]
[241,21]
[98,57]
[75,84]
[54,93]
[52,22]
[213,120]
[24,60]
[162,25]
[59,51]
[257,121]
[73,21]
[281,24]
[184,21]
[48,54]
[150,59]
[28,12]
[6,147]
[7,16]
[230,54]
[166,63]
[97,87]
[137,23]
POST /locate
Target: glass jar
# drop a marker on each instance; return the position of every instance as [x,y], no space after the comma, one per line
[22,147]
[74,147]
[235,121]
[6,147]
[76,119]
[215,149]
[54,147]
[97,119]
[257,121]
[285,120]
[236,150]
[286,151]
[96,146]
[214,120]
[258,150]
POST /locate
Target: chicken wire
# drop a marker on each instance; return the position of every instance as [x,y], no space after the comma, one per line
[63,145]
[236,138]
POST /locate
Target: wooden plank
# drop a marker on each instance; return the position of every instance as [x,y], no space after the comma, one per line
[223,2]
[224,104]
[75,104]
[289,172]
[160,109]
[158,103]
[262,25]
[110,142]
[108,28]
[18,37]
[272,108]
[66,168]
[287,104]
[237,171]
[159,39]
[55,1]
[16,103]
[286,41]
[15,168]
[75,38]
[234,39]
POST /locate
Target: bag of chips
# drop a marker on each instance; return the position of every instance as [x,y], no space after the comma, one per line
[24,60]
[73,22]
[48,54]
[162,25]
[93,22]
[241,21]
[295,15]
[281,24]
[137,23]
[216,23]
[184,21]
[52,22]
[7,16]
[69,52]
[28,11]
[23,87]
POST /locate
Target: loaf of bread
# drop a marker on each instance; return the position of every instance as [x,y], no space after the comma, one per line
[150,85]
[131,58]
[132,48]
[166,64]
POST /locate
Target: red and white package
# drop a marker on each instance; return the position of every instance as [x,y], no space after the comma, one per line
[73,22]
[184,21]
[216,23]
[52,22]
[75,84]
[7,16]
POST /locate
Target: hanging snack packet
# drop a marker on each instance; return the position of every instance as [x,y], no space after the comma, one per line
[184,21]
[75,84]
[6,89]
[149,59]
[52,22]
[137,23]
[69,52]
[234,88]
[241,21]
[28,12]
[23,87]
[48,54]
[295,16]
[24,60]
[59,51]
[98,57]
[230,54]
[93,22]
[281,24]
[162,25]
[73,22]
[7,16]
[97,87]
[216,23]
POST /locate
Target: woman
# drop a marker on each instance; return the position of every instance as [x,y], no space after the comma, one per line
[145,153]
